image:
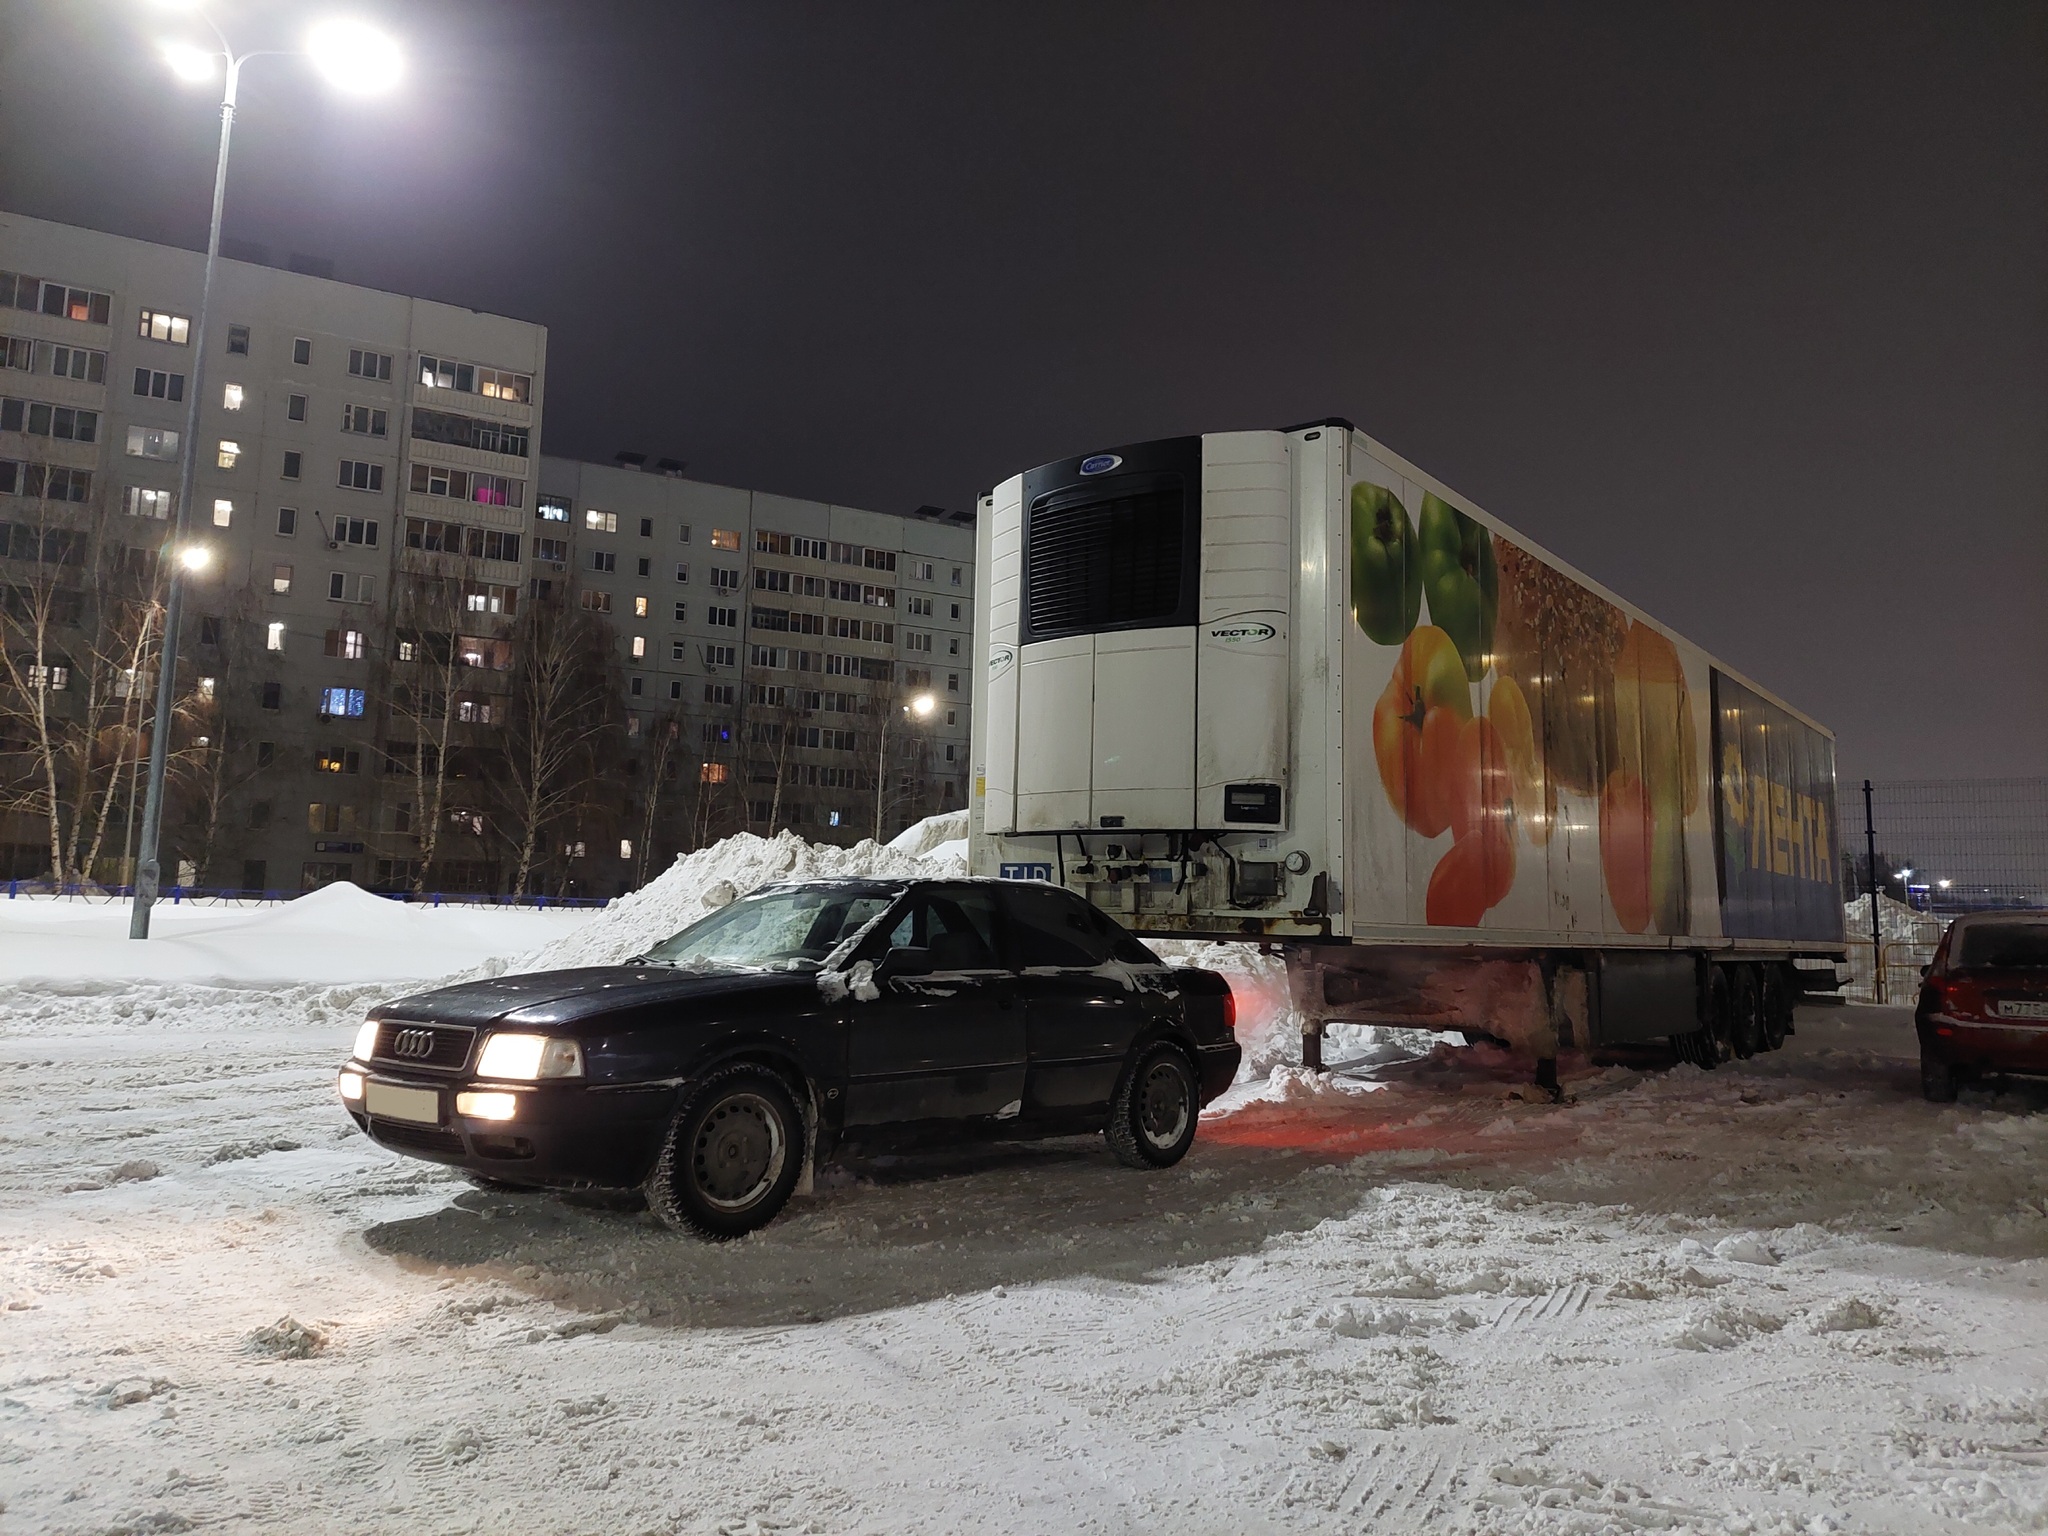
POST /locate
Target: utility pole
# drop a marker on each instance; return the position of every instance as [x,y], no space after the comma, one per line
[1876,929]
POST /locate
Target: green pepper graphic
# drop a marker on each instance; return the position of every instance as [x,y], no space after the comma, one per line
[1386,575]
[1461,579]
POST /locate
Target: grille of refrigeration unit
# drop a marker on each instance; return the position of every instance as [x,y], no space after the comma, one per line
[1095,563]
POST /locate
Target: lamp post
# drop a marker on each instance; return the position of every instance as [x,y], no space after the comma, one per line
[919,707]
[353,57]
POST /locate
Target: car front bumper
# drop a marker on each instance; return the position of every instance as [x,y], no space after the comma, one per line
[1997,1045]
[565,1135]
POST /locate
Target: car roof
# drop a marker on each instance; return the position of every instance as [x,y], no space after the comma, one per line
[2016,915]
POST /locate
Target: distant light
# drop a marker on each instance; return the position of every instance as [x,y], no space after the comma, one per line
[195,557]
[355,57]
[1905,874]
[1945,884]
[193,65]
[923,705]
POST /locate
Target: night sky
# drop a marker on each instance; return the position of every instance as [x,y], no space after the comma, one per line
[1743,311]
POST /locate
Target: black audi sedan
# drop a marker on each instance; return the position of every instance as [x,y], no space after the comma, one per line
[715,1071]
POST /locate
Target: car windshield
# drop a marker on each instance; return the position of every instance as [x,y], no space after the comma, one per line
[786,930]
[2003,946]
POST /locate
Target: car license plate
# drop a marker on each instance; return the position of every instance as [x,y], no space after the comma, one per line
[2016,1010]
[422,1106]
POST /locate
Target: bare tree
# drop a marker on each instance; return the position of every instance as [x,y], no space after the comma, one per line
[664,750]
[423,673]
[562,716]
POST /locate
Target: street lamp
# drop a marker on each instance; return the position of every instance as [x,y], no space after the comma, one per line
[918,707]
[355,58]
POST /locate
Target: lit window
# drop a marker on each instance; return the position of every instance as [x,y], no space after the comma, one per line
[600,522]
[551,509]
[281,579]
[625,847]
[273,634]
[231,397]
[227,454]
[724,538]
[152,443]
[408,651]
[639,646]
[352,645]
[223,513]
[206,687]
[341,702]
[143,502]
[159,326]
[639,607]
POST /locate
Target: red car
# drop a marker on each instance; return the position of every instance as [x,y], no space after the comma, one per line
[1984,1002]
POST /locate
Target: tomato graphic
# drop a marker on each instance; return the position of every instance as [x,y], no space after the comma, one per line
[1471,878]
[1625,843]
[1416,727]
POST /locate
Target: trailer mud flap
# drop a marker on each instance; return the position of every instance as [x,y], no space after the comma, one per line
[1644,997]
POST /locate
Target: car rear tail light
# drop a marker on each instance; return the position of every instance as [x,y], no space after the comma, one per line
[1959,996]
[1229,1009]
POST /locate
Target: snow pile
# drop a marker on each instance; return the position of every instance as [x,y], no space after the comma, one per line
[1895,921]
[922,839]
[339,934]
[700,882]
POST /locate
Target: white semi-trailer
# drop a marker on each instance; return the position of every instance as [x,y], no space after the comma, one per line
[1282,686]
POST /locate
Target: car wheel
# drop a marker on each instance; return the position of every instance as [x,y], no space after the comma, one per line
[731,1157]
[1777,1007]
[1937,1080]
[1745,1011]
[1152,1118]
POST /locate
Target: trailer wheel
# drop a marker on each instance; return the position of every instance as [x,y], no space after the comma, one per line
[1777,1007]
[1712,1042]
[1745,1011]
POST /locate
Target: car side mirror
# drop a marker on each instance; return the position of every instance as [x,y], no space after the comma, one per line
[904,961]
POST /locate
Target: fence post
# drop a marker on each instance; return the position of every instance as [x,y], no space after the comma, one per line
[1876,929]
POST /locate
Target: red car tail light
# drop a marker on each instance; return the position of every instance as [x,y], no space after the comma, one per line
[1229,1010]
[1958,996]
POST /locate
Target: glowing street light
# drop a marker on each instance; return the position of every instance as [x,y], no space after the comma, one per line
[922,706]
[355,58]
[917,708]
[194,66]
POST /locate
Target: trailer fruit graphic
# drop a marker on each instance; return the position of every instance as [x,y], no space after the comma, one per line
[1520,703]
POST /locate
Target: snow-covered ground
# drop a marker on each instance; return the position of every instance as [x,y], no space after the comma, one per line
[1787,1296]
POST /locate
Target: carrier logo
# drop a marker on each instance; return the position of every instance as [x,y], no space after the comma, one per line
[1243,630]
[1100,463]
[999,660]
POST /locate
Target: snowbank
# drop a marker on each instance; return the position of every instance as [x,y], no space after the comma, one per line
[700,882]
[338,935]
[921,839]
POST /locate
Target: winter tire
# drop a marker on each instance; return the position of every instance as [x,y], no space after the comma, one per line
[1711,1041]
[731,1157]
[1777,1007]
[1937,1080]
[1152,1118]
[1745,1011]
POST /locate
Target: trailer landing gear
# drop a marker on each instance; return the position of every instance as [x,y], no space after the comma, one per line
[1546,1078]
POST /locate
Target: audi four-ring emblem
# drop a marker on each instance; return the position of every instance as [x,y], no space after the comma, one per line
[413,1043]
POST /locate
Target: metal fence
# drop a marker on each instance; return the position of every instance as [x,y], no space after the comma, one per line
[1933,849]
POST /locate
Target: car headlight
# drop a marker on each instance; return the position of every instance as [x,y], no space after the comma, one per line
[526,1057]
[366,1040]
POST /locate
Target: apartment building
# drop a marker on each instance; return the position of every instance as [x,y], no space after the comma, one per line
[332,415]
[773,653]
[385,538]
